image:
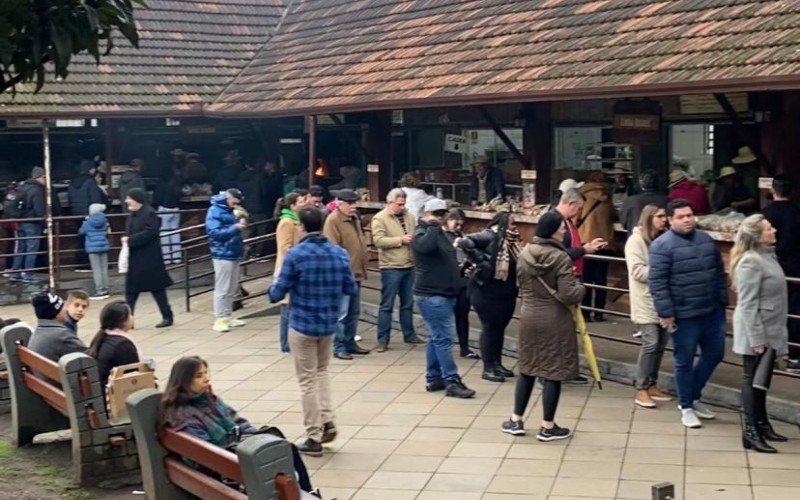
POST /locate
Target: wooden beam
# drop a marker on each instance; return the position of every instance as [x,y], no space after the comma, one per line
[738,129]
[503,137]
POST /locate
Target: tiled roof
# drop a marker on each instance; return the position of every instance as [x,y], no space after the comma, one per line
[340,55]
[189,51]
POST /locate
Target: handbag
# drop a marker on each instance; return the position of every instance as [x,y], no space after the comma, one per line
[124,258]
[762,378]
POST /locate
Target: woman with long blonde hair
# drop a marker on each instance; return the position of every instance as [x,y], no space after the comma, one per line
[759,323]
[652,222]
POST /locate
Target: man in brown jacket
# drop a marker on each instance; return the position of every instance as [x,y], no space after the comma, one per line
[596,220]
[392,228]
[343,228]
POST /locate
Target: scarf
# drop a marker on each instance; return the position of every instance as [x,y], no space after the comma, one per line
[509,249]
[285,212]
[210,413]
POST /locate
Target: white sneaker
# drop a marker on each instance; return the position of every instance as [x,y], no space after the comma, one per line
[703,411]
[220,325]
[690,420]
[236,322]
[358,338]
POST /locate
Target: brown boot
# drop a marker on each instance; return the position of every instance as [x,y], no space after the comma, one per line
[657,394]
[643,399]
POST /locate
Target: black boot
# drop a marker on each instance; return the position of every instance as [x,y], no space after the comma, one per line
[502,370]
[768,433]
[491,374]
[752,440]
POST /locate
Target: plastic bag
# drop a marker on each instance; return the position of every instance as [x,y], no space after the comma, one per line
[124,256]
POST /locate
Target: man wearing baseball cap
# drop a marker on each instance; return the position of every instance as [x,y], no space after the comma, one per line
[436,286]
[224,230]
[51,338]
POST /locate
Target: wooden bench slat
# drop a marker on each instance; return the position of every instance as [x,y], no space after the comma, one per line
[54,397]
[215,458]
[38,363]
[199,484]
[287,488]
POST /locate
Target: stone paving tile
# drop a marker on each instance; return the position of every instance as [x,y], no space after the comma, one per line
[396,441]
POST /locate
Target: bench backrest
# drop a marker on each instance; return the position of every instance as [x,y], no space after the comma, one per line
[262,463]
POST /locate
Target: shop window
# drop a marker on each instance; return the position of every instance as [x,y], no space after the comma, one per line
[484,142]
[692,147]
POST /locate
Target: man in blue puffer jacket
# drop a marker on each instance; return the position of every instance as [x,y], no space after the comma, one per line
[689,289]
[224,232]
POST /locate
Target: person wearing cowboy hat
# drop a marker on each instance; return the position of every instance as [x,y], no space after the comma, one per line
[748,167]
[729,191]
[680,187]
[488,182]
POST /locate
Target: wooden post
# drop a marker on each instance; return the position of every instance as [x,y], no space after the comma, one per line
[379,152]
[311,122]
[48,197]
[537,144]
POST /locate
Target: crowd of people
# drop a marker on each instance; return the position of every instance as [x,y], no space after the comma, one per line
[679,289]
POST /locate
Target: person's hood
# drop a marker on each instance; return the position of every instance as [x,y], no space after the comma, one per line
[595,191]
[129,175]
[636,231]
[97,221]
[50,324]
[221,200]
[80,180]
[540,256]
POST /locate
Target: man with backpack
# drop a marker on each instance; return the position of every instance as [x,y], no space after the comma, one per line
[24,202]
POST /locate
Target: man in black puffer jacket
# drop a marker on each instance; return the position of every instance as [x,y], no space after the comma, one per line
[83,190]
[689,289]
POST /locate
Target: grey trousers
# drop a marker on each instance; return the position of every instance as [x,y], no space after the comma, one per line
[99,263]
[226,286]
[654,341]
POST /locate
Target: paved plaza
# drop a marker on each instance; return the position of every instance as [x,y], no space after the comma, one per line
[398,442]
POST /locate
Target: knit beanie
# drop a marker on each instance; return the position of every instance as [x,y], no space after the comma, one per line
[548,224]
[96,208]
[37,172]
[46,305]
[137,194]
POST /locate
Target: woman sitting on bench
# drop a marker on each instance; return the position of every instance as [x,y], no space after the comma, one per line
[189,405]
[111,346]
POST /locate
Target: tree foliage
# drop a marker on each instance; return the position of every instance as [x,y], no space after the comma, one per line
[36,35]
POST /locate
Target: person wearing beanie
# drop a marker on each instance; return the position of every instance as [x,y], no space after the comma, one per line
[224,228]
[51,338]
[548,346]
[29,232]
[82,192]
[95,241]
[146,270]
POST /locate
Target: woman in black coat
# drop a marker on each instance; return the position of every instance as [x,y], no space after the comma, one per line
[493,287]
[146,271]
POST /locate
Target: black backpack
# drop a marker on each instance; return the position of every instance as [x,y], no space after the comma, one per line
[15,202]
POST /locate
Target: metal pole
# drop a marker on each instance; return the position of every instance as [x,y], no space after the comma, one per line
[312,147]
[48,198]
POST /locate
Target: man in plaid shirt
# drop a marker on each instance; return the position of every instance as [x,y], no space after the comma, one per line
[316,273]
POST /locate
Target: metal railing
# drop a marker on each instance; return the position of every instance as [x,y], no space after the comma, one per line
[622,291]
[67,243]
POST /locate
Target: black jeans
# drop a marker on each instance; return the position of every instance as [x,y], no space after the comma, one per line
[495,313]
[462,320]
[595,272]
[550,396]
[754,401]
[161,299]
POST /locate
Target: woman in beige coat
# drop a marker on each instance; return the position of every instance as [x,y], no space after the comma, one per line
[652,222]
[287,235]
[548,344]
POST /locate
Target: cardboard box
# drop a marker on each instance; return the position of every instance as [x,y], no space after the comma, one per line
[124,381]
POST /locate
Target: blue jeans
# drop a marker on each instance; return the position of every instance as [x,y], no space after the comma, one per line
[284,328]
[437,311]
[28,262]
[396,282]
[349,312]
[707,332]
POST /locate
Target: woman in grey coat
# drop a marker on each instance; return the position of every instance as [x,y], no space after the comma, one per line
[759,322]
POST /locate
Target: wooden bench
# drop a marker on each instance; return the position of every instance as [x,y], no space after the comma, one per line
[5,392]
[48,396]
[262,463]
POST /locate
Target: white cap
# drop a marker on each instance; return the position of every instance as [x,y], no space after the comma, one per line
[96,208]
[434,204]
[567,184]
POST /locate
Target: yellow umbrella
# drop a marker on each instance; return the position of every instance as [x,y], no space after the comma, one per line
[588,349]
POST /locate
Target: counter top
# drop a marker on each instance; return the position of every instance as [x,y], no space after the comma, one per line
[534,219]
